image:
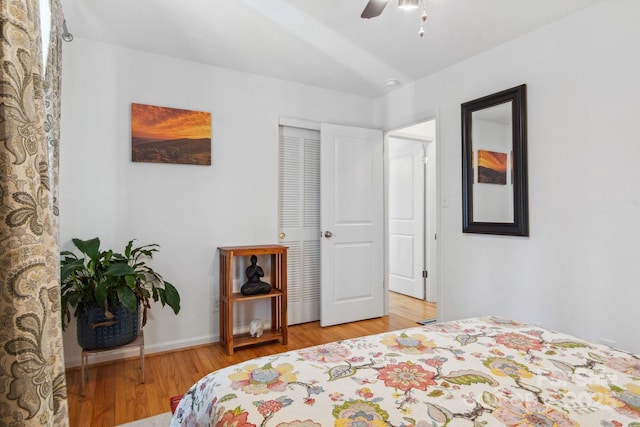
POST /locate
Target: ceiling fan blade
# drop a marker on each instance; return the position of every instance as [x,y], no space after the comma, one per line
[373,8]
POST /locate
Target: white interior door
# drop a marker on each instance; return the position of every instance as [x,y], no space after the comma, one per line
[352,282]
[406,213]
[299,220]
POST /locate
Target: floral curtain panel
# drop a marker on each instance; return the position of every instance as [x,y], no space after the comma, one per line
[32,379]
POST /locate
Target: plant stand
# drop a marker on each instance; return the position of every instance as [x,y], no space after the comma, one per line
[84,371]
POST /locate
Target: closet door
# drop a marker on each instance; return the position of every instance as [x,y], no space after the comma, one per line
[299,220]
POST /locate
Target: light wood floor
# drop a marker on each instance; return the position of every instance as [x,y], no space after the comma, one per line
[115,396]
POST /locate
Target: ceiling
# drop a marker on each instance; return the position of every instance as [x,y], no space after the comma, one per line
[322,43]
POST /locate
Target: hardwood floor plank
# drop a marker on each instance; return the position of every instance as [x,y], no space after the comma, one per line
[125,394]
[105,391]
[114,395]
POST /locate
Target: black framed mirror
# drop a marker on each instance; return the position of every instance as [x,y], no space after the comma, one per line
[494,164]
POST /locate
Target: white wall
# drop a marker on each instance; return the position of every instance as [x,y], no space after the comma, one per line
[188,210]
[579,272]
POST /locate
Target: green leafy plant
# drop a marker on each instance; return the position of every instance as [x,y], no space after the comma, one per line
[106,278]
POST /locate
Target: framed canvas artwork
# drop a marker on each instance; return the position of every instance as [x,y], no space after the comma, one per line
[170,135]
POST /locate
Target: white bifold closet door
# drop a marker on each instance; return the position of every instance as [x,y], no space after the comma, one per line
[299,220]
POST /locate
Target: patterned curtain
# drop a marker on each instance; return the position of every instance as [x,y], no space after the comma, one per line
[32,379]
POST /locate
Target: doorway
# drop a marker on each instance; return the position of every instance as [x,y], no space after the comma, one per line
[331,218]
[411,211]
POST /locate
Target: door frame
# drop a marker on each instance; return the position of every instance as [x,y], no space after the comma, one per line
[317,125]
[436,266]
[435,200]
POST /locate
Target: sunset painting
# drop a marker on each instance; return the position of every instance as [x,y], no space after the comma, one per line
[170,135]
[492,167]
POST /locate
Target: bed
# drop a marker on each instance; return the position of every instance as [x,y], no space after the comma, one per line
[474,372]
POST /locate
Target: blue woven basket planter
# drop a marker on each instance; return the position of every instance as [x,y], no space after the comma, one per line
[92,336]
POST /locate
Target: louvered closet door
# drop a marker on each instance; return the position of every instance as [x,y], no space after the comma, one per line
[299,220]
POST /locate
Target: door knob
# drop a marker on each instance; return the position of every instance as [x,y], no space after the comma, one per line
[282,236]
[328,234]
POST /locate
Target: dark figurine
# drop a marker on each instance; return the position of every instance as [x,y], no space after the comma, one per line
[254,285]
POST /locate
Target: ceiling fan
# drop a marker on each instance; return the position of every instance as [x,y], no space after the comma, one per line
[375,7]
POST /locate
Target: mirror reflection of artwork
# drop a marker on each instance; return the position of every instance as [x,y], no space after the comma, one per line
[170,135]
[492,167]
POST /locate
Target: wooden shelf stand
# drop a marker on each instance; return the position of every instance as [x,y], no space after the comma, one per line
[278,296]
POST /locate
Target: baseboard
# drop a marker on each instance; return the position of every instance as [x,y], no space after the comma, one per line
[112,355]
[117,354]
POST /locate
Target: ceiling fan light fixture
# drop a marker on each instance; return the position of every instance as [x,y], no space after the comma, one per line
[375,7]
[408,4]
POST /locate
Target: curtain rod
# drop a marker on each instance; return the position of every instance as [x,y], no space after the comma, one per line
[66,35]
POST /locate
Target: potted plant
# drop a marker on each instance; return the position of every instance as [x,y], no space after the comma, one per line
[111,292]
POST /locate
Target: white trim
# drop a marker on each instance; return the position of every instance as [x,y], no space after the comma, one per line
[439,262]
[298,123]
[148,349]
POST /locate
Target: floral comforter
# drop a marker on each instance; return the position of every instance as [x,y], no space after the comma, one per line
[475,372]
